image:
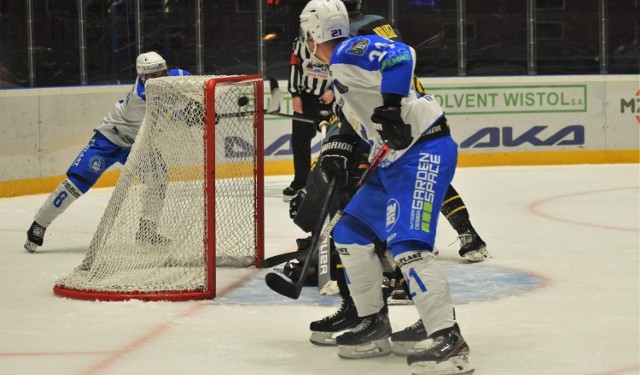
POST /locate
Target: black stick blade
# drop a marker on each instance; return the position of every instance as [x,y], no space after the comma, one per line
[279,259]
[281,286]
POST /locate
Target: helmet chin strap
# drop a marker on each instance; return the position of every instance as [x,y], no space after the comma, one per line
[315,58]
[313,52]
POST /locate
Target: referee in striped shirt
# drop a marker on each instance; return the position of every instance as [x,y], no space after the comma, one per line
[310,89]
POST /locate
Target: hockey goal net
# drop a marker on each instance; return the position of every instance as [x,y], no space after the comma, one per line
[189,198]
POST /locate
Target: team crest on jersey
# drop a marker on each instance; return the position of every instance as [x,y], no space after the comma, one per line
[96,164]
[358,47]
[393,212]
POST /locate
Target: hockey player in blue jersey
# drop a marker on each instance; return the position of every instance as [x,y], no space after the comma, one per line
[401,200]
[111,143]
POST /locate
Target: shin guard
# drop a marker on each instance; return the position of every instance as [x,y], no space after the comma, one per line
[429,289]
[364,276]
[57,202]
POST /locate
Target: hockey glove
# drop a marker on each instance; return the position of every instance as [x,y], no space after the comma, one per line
[296,202]
[392,129]
[337,157]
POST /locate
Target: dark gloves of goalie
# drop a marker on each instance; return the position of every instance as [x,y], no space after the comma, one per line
[296,202]
[389,124]
[337,157]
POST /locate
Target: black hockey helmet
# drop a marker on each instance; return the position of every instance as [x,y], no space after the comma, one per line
[353,5]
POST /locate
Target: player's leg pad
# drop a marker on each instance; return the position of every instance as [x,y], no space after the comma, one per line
[364,272]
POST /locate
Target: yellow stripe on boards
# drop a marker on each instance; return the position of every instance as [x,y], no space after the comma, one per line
[44,185]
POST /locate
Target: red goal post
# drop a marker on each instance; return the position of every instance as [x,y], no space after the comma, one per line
[189,199]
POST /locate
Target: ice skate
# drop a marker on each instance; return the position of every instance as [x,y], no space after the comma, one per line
[323,331]
[368,339]
[35,237]
[406,342]
[447,355]
[148,233]
[288,193]
[472,247]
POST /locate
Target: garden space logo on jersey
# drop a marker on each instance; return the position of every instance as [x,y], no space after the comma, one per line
[395,57]
[358,48]
[424,192]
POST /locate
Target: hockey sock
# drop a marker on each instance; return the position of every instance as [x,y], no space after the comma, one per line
[340,277]
[362,265]
[155,184]
[455,211]
[364,277]
[428,288]
[58,201]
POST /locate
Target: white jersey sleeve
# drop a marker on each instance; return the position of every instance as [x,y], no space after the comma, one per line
[362,69]
[122,123]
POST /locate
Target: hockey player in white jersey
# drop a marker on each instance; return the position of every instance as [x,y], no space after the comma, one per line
[401,200]
[110,143]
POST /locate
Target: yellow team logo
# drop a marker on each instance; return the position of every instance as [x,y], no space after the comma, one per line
[385,31]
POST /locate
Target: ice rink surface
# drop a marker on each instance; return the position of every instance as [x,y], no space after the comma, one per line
[560,296]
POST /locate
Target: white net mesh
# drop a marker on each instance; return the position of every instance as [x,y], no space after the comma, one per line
[152,238]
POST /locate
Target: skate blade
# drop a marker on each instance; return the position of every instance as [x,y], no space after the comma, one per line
[30,246]
[377,348]
[458,365]
[476,256]
[323,338]
[400,302]
[404,348]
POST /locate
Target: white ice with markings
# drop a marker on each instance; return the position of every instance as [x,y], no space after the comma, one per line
[560,296]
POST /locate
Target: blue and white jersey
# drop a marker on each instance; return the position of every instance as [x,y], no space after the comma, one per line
[122,123]
[364,67]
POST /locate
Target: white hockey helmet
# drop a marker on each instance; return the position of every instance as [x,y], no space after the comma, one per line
[148,63]
[324,20]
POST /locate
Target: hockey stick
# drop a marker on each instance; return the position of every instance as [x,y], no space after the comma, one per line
[276,282]
[300,118]
[282,258]
[365,176]
[324,250]
[273,108]
[279,259]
